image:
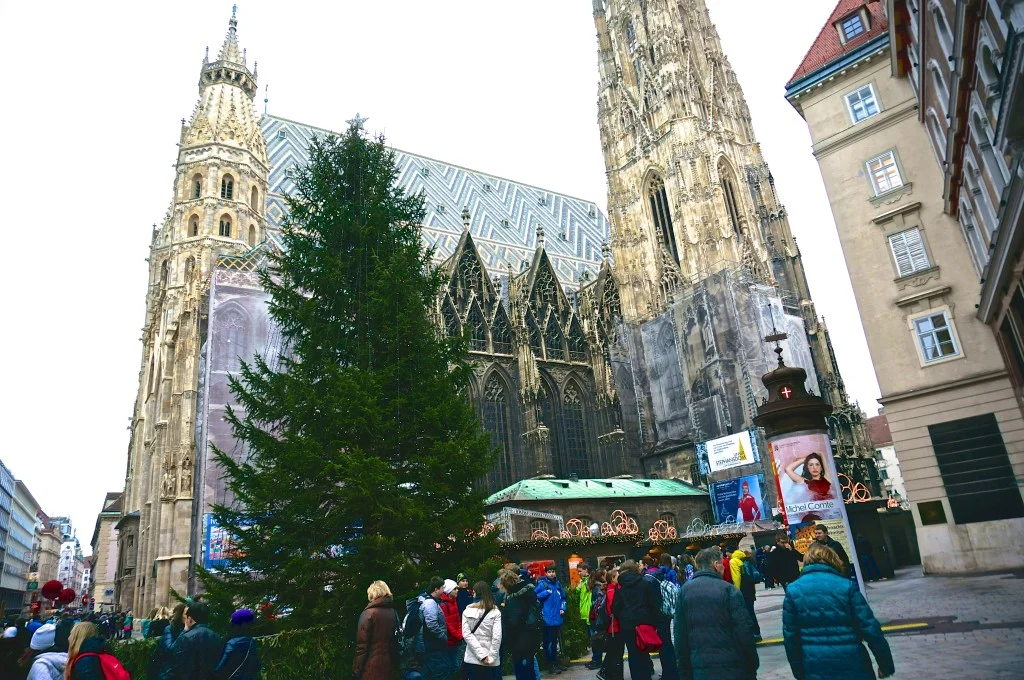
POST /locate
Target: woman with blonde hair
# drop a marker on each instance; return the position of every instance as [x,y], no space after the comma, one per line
[376,655]
[481,629]
[826,621]
[84,646]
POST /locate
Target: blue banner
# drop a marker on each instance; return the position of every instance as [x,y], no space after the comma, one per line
[740,499]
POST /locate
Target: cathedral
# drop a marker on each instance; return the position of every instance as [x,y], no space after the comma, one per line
[603,345]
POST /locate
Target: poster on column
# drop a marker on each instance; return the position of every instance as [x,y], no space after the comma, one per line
[739,500]
[806,475]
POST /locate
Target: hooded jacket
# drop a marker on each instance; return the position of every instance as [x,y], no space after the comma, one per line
[376,654]
[434,629]
[88,668]
[520,639]
[452,619]
[637,601]
[736,567]
[48,666]
[714,634]
[825,619]
[586,599]
[552,598]
[485,642]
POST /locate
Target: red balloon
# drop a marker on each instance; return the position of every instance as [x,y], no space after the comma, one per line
[67,596]
[52,589]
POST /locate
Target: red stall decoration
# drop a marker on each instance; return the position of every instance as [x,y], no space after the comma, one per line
[51,589]
[67,596]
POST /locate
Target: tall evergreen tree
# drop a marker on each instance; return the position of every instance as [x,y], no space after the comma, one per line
[362,447]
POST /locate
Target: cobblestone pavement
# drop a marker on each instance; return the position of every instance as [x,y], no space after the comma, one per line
[973,627]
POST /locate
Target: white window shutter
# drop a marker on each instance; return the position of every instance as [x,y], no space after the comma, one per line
[915,248]
[908,251]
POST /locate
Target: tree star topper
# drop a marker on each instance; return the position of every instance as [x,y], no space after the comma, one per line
[357,122]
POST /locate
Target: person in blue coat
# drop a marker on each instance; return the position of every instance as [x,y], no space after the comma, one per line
[241,657]
[826,621]
[552,599]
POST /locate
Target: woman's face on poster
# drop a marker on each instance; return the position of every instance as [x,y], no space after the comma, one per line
[814,468]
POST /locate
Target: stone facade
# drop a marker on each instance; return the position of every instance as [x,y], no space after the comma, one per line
[915,272]
[103,569]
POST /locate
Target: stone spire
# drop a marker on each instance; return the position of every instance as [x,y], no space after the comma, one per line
[229,50]
[230,65]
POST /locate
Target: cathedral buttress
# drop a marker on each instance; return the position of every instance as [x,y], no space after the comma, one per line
[219,196]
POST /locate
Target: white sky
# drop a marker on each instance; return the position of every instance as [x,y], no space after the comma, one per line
[94,93]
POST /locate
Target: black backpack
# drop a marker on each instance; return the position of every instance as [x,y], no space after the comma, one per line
[534,619]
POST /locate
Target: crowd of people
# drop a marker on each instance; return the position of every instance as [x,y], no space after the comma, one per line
[695,611]
[73,646]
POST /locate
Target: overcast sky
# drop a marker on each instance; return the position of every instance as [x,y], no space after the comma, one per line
[94,95]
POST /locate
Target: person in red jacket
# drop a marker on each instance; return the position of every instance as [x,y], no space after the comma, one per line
[453,622]
[615,644]
[727,573]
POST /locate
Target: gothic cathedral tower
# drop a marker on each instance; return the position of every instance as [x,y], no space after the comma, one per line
[702,245]
[220,189]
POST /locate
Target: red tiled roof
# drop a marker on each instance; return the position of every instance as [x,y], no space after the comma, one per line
[827,48]
[878,430]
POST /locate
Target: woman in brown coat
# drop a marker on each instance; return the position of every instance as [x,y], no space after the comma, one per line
[376,653]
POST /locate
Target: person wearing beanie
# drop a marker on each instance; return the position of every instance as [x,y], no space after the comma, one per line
[241,658]
[453,622]
[47,662]
[463,595]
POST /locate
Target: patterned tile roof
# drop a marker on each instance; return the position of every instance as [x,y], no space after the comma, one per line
[827,46]
[504,215]
[566,489]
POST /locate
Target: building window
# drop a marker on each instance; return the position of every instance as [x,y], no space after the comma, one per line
[477,329]
[935,337]
[942,29]
[193,226]
[225,226]
[662,217]
[501,333]
[669,518]
[553,345]
[254,200]
[852,26]
[939,85]
[252,235]
[862,103]
[197,186]
[227,188]
[496,421]
[885,174]
[908,251]
[576,459]
[975,470]
[729,193]
[538,527]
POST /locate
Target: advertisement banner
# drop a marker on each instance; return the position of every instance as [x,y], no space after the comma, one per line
[218,544]
[728,452]
[806,473]
[740,499]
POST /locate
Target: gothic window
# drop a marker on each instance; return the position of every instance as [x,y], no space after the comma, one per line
[451,319]
[254,199]
[477,329]
[468,277]
[252,234]
[535,343]
[630,36]
[729,191]
[501,333]
[553,341]
[576,459]
[193,225]
[662,216]
[577,343]
[227,187]
[549,416]
[497,421]
[197,186]
[224,228]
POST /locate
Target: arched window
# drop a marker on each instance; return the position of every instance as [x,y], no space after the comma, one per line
[451,319]
[577,343]
[576,459]
[981,198]
[497,421]
[548,416]
[973,236]
[553,341]
[539,528]
[501,333]
[937,135]
[225,226]
[252,235]
[939,83]
[989,158]
[193,225]
[661,216]
[227,187]
[942,29]
[254,199]
[535,343]
[728,180]
[477,329]
[989,69]
[669,518]
[197,186]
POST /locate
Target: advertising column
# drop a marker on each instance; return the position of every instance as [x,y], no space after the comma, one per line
[805,472]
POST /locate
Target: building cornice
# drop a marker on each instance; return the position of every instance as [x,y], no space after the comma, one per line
[886,119]
[800,87]
[895,397]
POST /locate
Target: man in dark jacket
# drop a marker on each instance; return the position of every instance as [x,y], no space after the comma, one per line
[521,624]
[714,635]
[198,650]
[784,561]
[637,602]
[821,536]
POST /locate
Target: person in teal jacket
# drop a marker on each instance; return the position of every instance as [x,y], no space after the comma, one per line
[826,620]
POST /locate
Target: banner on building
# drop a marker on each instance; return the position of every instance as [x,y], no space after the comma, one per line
[806,474]
[218,547]
[740,499]
[728,452]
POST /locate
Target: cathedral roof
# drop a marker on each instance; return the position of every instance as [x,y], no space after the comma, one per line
[828,47]
[570,489]
[504,215]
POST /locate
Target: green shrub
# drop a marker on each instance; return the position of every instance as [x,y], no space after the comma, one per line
[134,654]
[575,641]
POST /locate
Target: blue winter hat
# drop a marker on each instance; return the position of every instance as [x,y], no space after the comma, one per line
[243,616]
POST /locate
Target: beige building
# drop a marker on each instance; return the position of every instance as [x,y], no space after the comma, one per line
[103,572]
[950,405]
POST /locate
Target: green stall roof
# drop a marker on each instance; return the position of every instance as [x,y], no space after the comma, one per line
[556,489]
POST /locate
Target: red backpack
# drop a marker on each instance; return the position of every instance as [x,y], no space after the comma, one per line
[109,664]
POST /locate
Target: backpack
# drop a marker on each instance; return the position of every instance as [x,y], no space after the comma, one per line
[413,622]
[534,619]
[669,591]
[751,571]
[110,666]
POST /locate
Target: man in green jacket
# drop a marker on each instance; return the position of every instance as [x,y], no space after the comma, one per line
[586,599]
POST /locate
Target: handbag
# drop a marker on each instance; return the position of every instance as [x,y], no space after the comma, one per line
[647,638]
